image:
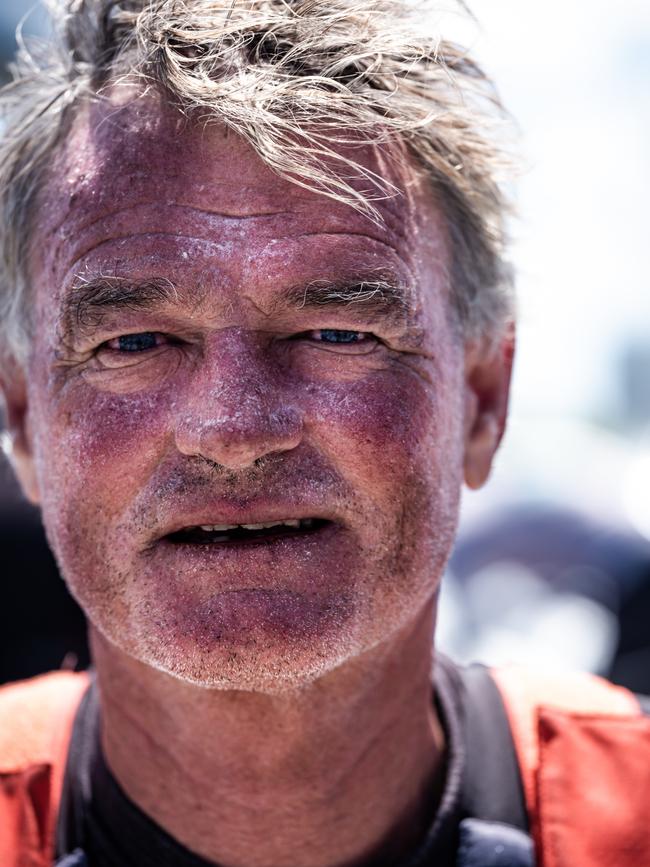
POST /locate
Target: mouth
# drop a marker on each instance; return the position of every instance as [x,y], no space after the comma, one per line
[247,534]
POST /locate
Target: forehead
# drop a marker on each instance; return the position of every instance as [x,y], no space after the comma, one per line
[134,177]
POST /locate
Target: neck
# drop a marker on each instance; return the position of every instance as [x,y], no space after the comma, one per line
[345,770]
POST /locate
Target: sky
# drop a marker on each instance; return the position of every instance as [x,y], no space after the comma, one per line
[576,77]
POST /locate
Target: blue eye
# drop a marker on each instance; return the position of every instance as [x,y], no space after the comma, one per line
[334,335]
[136,342]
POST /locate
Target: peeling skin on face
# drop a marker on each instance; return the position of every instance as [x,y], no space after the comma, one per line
[240,405]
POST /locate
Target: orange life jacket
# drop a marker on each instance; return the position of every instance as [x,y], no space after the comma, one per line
[36,718]
[583,748]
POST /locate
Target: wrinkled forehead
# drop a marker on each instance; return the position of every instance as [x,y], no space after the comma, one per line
[115,152]
[123,158]
[120,146]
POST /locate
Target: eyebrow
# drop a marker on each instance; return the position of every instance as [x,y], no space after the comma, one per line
[377,296]
[89,301]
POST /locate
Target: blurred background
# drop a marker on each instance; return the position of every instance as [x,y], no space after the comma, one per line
[552,565]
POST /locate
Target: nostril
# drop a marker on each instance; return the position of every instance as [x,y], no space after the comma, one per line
[239,439]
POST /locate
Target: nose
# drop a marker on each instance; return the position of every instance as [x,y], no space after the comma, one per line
[237,409]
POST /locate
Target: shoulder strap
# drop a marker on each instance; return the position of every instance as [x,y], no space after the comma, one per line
[494,832]
[36,718]
[492,789]
[583,746]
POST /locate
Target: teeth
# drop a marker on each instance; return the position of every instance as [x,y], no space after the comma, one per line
[218,528]
[290,522]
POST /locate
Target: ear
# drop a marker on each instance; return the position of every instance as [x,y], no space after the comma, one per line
[19,447]
[488,369]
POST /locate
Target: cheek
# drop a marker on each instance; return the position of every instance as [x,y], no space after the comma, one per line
[94,453]
[391,426]
[398,442]
[97,447]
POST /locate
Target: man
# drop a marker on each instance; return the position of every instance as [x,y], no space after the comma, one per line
[256,334]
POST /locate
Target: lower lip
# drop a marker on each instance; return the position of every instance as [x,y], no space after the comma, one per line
[301,562]
[290,576]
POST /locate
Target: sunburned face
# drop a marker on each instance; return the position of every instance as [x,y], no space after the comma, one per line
[216,348]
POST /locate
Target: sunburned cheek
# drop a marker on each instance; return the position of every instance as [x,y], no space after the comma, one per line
[99,438]
[381,420]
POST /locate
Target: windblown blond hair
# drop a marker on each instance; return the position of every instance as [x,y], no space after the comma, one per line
[303,81]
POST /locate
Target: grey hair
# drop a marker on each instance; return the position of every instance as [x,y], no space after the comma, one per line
[304,82]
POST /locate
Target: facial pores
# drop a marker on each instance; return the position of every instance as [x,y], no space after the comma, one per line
[240,411]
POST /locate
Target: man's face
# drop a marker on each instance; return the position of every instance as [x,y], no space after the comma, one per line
[216,347]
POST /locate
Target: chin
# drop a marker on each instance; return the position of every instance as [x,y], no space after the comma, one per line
[254,640]
[242,671]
